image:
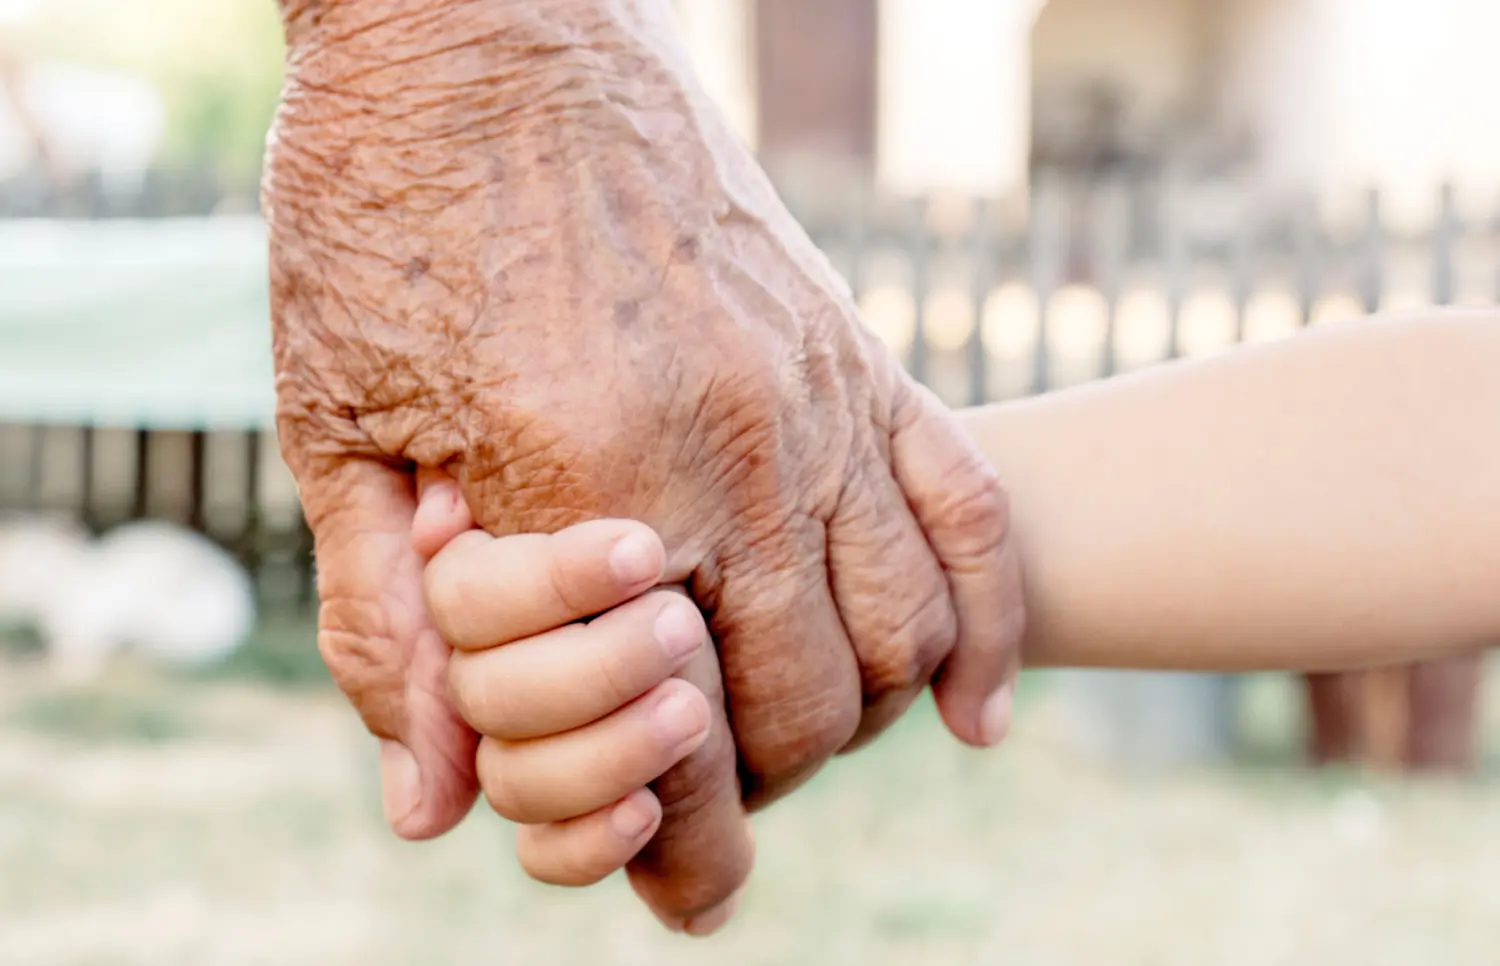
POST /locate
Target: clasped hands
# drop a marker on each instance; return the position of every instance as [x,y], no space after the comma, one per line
[599,699]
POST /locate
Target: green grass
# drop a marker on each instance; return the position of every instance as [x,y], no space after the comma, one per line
[100,716]
[235,820]
[19,642]
[283,652]
[128,707]
[161,820]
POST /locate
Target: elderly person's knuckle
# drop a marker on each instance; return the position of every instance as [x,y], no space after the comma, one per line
[922,635]
[831,730]
[975,515]
[816,727]
[810,729]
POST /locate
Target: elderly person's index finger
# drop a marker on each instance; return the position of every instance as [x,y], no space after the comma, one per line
[484,591]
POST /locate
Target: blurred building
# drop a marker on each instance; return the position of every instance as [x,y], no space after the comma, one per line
[977,95]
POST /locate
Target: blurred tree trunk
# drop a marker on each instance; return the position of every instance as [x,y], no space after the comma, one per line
[1445,705]
[1421,717]
[1330,707]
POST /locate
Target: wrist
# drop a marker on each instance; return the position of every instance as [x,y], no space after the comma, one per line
[460,75]
[416,47]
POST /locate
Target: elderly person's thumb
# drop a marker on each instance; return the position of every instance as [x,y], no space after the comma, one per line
[380,646]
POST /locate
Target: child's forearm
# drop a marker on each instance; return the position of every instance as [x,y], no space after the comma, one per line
[1328,501]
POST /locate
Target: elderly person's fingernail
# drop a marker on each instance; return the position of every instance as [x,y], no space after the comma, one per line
[710,922]
[994,718]
[636,559]
[400,781]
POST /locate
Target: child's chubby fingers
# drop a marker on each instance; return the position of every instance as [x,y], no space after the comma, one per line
[565,678]
[581,771]
[483,591]
[585,850]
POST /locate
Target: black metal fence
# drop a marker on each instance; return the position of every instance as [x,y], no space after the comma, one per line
[228,485]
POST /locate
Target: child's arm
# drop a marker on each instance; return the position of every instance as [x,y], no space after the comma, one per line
[1326,501]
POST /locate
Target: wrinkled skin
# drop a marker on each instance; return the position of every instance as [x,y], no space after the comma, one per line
[512,240]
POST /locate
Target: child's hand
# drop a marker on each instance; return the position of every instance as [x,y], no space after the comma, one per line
[578,718]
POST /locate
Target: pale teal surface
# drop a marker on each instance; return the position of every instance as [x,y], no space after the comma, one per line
[161,324]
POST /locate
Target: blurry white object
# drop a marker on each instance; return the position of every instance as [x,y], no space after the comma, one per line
[1358,817]
[34,552]
[17,11]
[1149,720]
[90,119]
[168,594]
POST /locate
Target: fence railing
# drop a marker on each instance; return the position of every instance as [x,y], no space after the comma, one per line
[230,485]
[986,301]
[983,300]
[155,193]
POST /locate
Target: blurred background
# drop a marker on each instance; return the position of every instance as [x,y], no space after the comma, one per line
[1025,194]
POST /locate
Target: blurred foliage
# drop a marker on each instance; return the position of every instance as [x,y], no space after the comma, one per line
[102,716]
[19,641]
[126,706]
[217,64]
[283,651]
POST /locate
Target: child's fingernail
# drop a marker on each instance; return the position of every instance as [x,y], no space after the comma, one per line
[678,720]
[444,495]
[635,559]
[994,717]
[631,818]
[710,922]
[400,781]
[678,629]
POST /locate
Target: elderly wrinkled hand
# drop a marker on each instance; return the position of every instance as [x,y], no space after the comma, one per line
[513,240]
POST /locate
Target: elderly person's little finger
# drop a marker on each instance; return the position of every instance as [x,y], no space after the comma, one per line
[692,871]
